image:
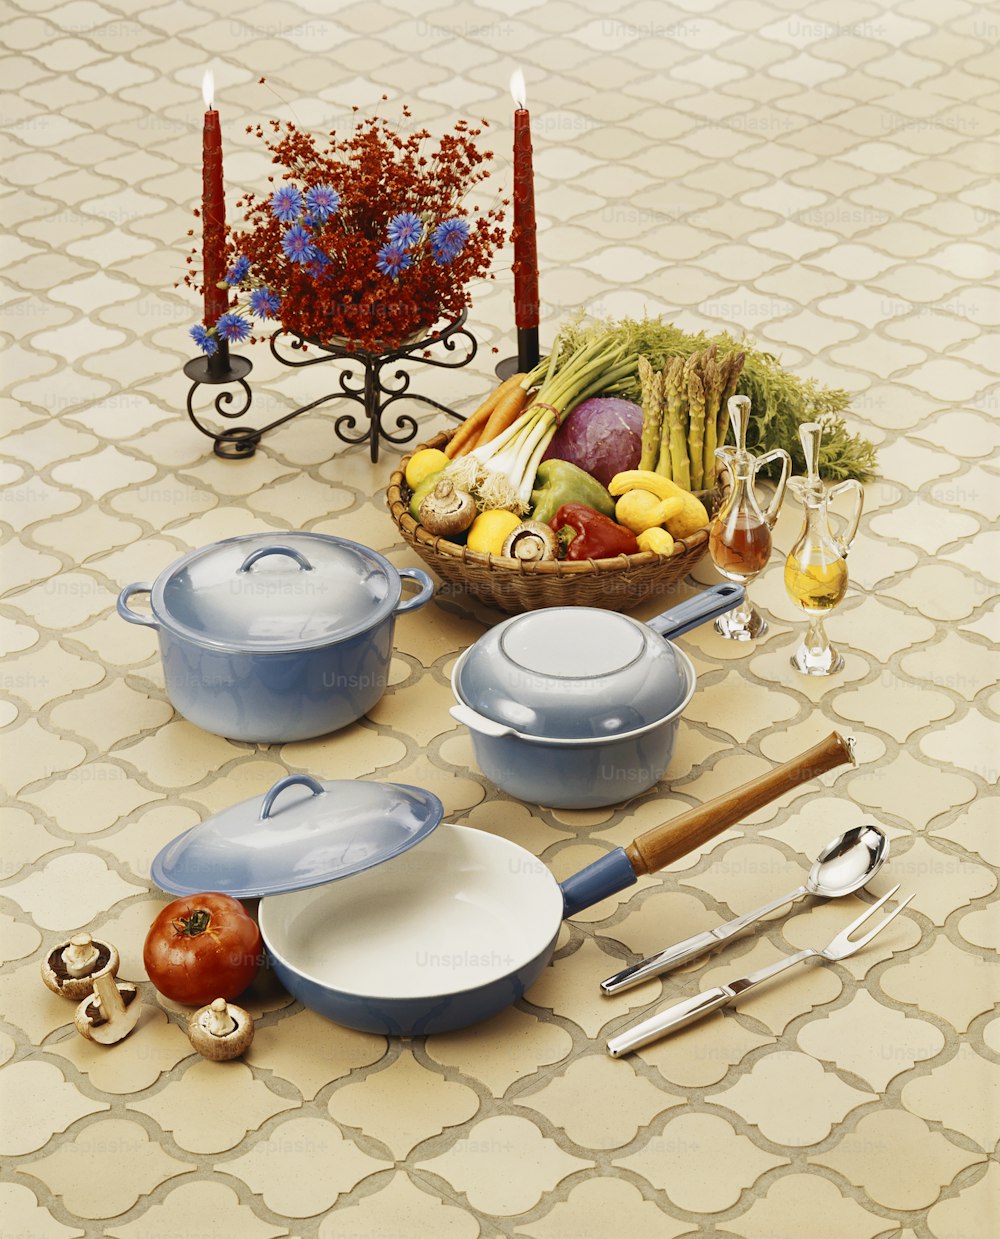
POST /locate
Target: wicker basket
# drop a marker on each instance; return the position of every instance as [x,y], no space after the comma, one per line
[616,584]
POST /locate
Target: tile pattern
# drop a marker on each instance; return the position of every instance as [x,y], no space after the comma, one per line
[823,175]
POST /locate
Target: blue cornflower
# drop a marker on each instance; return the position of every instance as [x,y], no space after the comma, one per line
[233,327]
[448,240]
[322,201]
[264,303]
[286,204]
[392,260]
[297,244]
[206,342]
[405,229]
[238,271]
[319,263]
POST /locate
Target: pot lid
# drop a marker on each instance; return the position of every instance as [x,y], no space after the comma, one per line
[275,592]
[260,847]
[573,673]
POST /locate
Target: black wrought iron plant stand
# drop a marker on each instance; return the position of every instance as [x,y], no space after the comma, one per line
[362,381]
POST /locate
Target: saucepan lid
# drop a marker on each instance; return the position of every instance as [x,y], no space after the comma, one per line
[572,673]
[582,673]
[261,847]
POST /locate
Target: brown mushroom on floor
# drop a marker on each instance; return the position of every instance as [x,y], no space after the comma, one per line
[221,1031]
[70,968]
[110,1013]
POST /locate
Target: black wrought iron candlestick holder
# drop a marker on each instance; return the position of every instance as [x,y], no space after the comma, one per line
[222,369]
[362,382]
[527,355]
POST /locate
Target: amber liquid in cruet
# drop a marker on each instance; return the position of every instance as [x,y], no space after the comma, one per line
[740,545]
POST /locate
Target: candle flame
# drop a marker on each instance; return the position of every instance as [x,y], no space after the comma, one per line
[208,88]
[517,89]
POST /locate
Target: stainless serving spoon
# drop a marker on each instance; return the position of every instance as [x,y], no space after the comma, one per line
[843,866]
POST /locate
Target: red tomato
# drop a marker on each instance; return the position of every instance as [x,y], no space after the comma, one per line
[202,947]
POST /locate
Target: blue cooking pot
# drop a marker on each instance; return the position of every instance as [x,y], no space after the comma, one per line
[576,707]
[272,638]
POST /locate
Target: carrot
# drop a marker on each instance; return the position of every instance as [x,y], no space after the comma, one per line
[467,434]
[508,410]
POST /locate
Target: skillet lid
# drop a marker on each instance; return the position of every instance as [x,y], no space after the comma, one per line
[572,673]
[260,847]
[275,592]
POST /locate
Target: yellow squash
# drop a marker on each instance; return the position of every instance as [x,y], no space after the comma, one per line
[692,515]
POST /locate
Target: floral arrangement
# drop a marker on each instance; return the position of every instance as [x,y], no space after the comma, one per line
[367,239]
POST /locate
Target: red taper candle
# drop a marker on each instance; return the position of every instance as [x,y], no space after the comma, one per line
[525,246]
[213,209]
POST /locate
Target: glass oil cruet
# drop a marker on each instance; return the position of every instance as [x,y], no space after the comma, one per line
[816,568]
[740,538]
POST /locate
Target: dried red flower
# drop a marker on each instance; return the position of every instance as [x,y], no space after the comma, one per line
[378,173]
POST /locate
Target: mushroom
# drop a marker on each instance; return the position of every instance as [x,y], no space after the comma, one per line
[531,542]
[447,511]
[110,1013]
[70,968]
[220,1031]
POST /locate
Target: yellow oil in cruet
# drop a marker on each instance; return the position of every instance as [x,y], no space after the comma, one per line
[816,568]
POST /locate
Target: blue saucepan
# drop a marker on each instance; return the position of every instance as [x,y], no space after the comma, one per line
[276,637]
[577,707]
[451,931]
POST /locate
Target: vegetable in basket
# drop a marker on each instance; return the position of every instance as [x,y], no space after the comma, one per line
[781,400]
[558,482]
[681,522]
[602,436]
[591,535]
[446,510]
[498,411]
[502,472]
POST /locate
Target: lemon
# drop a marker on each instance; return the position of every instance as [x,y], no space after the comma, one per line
[422,464]
[490,531]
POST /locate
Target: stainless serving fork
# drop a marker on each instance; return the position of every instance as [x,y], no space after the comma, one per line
[691,1009]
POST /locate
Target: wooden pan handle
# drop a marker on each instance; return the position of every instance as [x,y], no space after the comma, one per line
[665,844]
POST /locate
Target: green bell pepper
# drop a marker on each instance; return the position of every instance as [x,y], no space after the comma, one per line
[558,482]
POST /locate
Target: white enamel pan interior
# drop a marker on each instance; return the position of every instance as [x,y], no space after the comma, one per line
[463,909]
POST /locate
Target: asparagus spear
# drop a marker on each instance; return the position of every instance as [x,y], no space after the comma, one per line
[712,378]
[736,361]
[652,413]
[696,428]
[674,453]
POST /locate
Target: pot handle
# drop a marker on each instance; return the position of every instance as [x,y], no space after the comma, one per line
[485,726]
[261,551]
[710,603]
[424,594]
[126,612]
[664,844]
[290,780]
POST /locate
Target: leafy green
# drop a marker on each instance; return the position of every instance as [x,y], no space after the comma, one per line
[780,401]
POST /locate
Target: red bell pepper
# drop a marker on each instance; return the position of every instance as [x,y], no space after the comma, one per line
[591,535]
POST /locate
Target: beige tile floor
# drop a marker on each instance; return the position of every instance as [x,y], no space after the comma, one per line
[823,175]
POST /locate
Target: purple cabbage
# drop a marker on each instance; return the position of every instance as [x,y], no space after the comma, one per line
[602,436]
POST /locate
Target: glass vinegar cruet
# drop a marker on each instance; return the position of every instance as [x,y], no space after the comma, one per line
[740,538]
[816,567]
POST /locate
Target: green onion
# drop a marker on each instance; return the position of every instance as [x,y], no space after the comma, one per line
[599,367]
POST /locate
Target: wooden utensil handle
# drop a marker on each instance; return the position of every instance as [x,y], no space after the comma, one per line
[669,842]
